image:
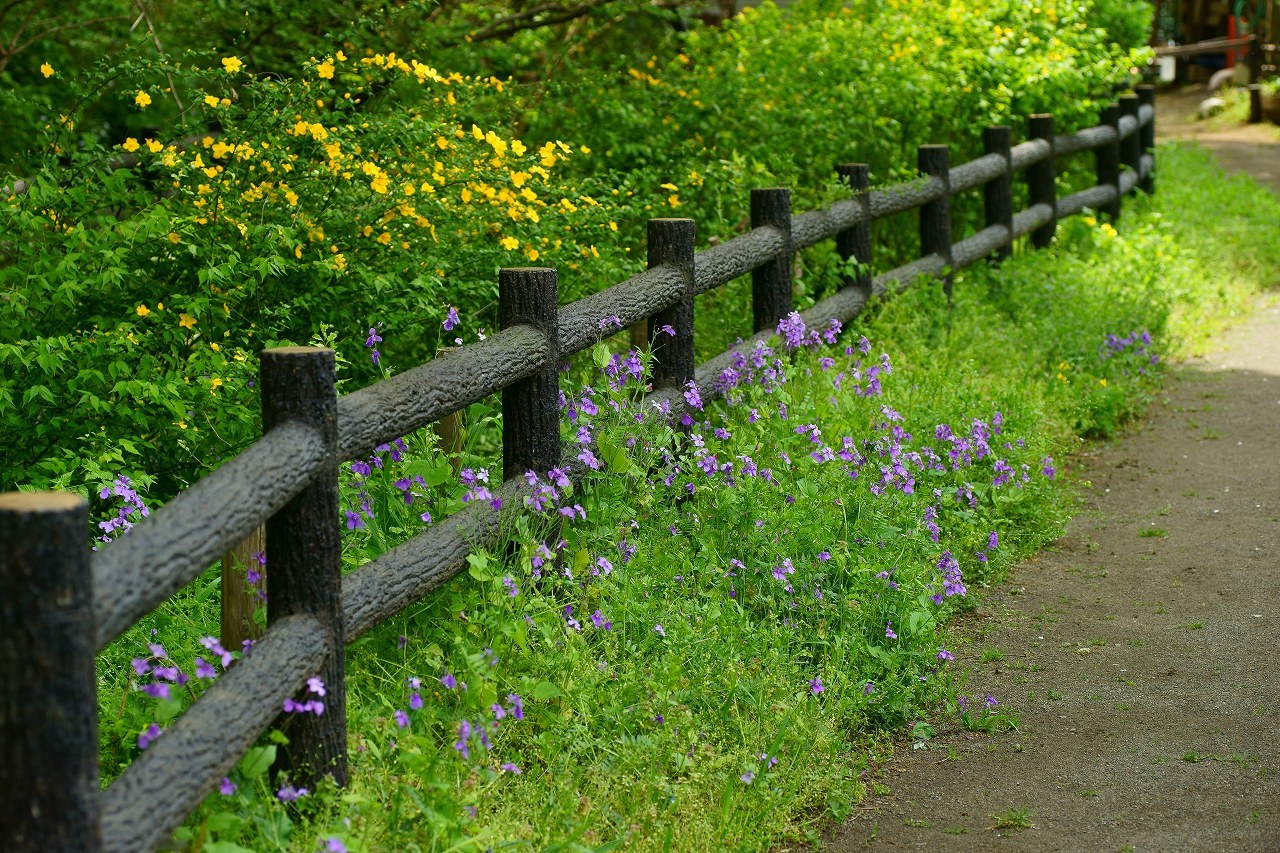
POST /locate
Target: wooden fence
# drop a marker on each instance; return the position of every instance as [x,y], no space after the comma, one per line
[60,604]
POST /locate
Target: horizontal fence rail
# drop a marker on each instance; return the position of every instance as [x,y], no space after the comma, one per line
[70,605]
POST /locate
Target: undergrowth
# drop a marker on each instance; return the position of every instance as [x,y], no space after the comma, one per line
[701,645]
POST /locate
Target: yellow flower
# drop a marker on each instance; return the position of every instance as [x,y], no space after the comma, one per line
[154,147]
[131,145]
[342,57]
[143,310]
[186,321]
[477,132]
[1102,382]
[510,243]
[518,147]
[442,143]
[379,184]
[674,200]
[291,197]
[232,64]
[46,69]
[181,424]
[175,239]
[211,100]
[385,238]
[142,99]
[213,346]
[214,384]
[325,70]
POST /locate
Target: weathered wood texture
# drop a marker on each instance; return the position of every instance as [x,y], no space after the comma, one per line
[771,281]
[935,217]
[854,243]
[1108,158]
[1041,179]
[900,278]
[48,690]
[975,173]
[166,782]
[582,323]
[1028,153]
[1094,198]
[1084,140]
[1131,143]
[166,551]
[395,407]
[1033,218]
[997,194]
[530,411]
[671,244]
[1147,137]
[809,229]
[304,558]
[986,242]
[241,598]
[739,256]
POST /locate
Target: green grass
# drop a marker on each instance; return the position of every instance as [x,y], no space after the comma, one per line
[667,739]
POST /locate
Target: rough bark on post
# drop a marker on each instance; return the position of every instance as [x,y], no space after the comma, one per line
[997,195]
[855,243]
[1108,158]
[1255,103]
[935,217]
[451,429]
[304,559]
[771,281]
[671,242]
[1131,145]
[1041,180]
[240,597]
[1147,134]
[530,411]
[48,689]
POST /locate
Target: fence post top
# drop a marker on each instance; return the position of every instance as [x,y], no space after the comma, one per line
[671,220]
[527,270]
[936,147]
[52,502]
[779,190]
[287,351]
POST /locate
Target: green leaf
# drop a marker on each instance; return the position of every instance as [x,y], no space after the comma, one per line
[257,761]
[545,690]
[601,356]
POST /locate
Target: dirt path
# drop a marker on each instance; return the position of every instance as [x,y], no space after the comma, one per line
[1139,654]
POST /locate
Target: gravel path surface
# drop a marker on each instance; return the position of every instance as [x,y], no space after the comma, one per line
[1139,654]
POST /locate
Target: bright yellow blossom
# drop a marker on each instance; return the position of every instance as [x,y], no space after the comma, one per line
[325,70]
[510,243]
[186,321]
[142,99]
[143,310]
[232,64]
[154,147]
[211,100]
[46,69]
[214,384]
[131,145]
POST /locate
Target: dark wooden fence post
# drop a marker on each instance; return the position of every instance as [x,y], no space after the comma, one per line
[997,195]
[1131,146]
[48,689]
[1255,103]
[855,243]
[1042,180]
[771,282]
[1147,134]
[935,217]
[1108,158]
[530,410]
[304,558]
[671,242]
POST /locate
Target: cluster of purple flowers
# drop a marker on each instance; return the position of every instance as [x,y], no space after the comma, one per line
[130,503]
[1140,342]
[315,687]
